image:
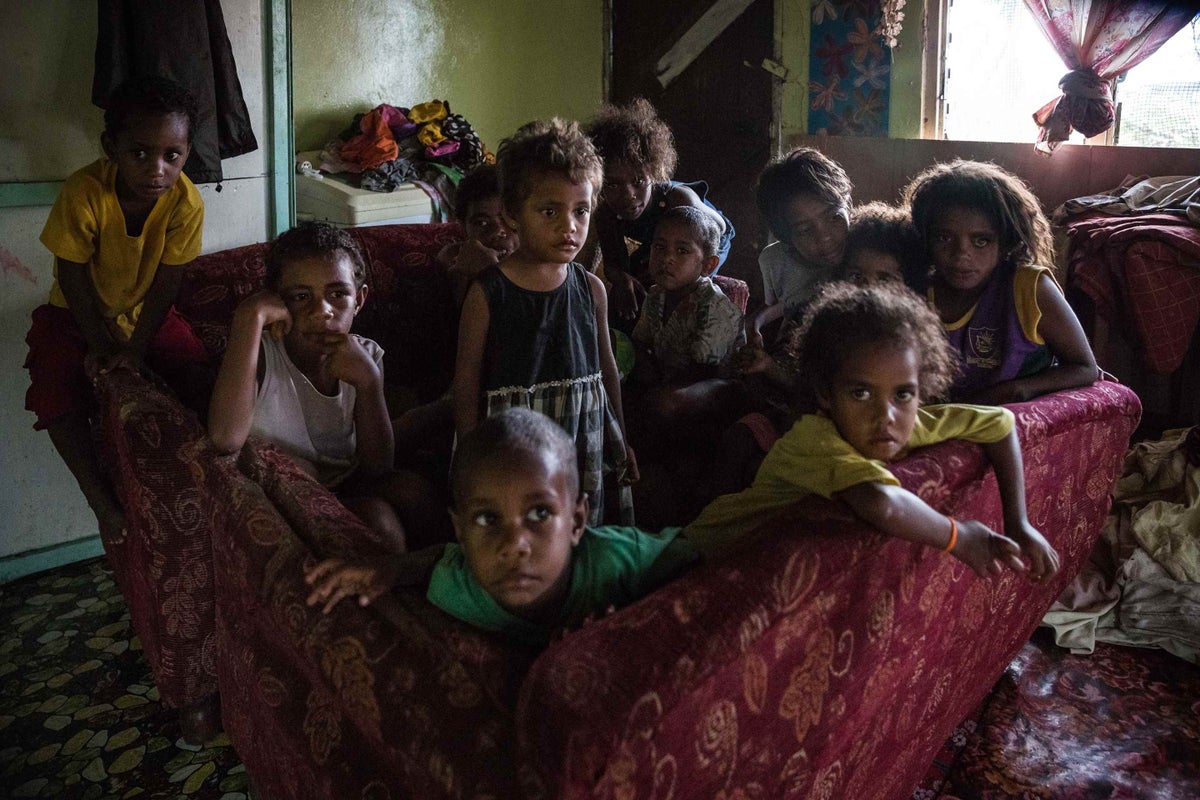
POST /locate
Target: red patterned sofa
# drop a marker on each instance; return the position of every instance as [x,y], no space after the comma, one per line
[159,455]
[826,661]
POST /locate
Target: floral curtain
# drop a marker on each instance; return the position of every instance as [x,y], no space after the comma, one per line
[1098,40]
[849,70]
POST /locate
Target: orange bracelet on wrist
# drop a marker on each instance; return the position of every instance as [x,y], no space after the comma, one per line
[953,535]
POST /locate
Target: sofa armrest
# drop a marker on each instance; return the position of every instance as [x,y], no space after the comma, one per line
[156,452]
[396,694]
[826,659]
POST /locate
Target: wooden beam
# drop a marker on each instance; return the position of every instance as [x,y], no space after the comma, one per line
[697,38]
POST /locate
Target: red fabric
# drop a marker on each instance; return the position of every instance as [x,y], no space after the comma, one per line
[826,661]
[1142,272]
[159,455]
[1098,40]
[58,384]
[156,451]
[375,145]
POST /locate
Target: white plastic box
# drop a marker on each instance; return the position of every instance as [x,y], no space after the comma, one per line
[331,198]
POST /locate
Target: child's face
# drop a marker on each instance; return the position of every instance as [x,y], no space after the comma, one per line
[815,228]
[321,296]
[677,259]
[869,267]
[485,224]
[518,521]
[964,246]
[873,399]
[626,190]
[150,153]
[553,219]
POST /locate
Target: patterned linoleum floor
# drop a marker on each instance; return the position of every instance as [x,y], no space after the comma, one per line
[79,714]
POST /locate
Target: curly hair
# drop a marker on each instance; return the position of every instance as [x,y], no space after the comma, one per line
[149,94]
[635,135]
[996,193]
[554,146]
[887,229]
[846,318]
[703,226]
[804,170]
[510,432]
[310,239]
[478,184]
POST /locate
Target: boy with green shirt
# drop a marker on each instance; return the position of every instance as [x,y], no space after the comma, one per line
[525,565]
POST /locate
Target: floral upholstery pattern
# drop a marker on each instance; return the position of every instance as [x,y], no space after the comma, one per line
[157,452]
[827,661]
[394,700]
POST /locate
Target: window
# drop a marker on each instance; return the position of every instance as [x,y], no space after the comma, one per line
[997,69]
[1158,101]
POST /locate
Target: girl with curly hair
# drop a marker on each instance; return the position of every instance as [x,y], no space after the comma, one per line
[638,149]
[993,284]
[872,355]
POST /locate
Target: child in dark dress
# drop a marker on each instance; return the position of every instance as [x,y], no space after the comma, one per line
[533,331]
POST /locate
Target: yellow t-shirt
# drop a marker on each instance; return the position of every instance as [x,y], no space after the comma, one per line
[87,226]
[813,458]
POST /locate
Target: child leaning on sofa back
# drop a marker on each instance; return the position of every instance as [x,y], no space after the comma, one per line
[122,231]
[525,565]
[993,286]
[871,355]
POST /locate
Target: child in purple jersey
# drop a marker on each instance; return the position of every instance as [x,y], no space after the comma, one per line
[993,285]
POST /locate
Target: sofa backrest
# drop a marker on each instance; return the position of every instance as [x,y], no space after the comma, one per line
[410,310]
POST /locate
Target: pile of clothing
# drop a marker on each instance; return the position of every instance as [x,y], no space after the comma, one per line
[1142,584]
[390,145]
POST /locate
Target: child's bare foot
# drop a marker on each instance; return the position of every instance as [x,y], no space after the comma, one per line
[111,518]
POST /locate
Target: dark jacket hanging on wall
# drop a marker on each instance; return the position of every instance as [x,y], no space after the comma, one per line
[186,41]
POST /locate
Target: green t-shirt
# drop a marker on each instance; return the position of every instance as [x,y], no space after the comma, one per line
[611,566]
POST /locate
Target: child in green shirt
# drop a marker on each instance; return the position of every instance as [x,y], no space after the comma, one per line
[525,565]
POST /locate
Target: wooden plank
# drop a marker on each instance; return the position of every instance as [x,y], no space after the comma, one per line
[697,38]
[281,151]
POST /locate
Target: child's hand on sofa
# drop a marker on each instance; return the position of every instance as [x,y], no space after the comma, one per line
[335,578]
[985,551]
[1042,557]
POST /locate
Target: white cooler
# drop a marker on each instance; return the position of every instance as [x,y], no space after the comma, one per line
[330,198]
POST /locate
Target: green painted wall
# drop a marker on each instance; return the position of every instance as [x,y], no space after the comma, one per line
[500,63]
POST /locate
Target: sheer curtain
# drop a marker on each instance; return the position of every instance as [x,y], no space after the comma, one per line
[1098,40]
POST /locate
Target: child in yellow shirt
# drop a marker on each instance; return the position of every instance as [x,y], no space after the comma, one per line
[871,355]
[122,231]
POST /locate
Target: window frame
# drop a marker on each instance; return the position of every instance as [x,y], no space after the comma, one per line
[933,84]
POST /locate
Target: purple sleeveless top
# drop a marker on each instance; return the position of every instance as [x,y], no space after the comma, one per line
[991,344]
